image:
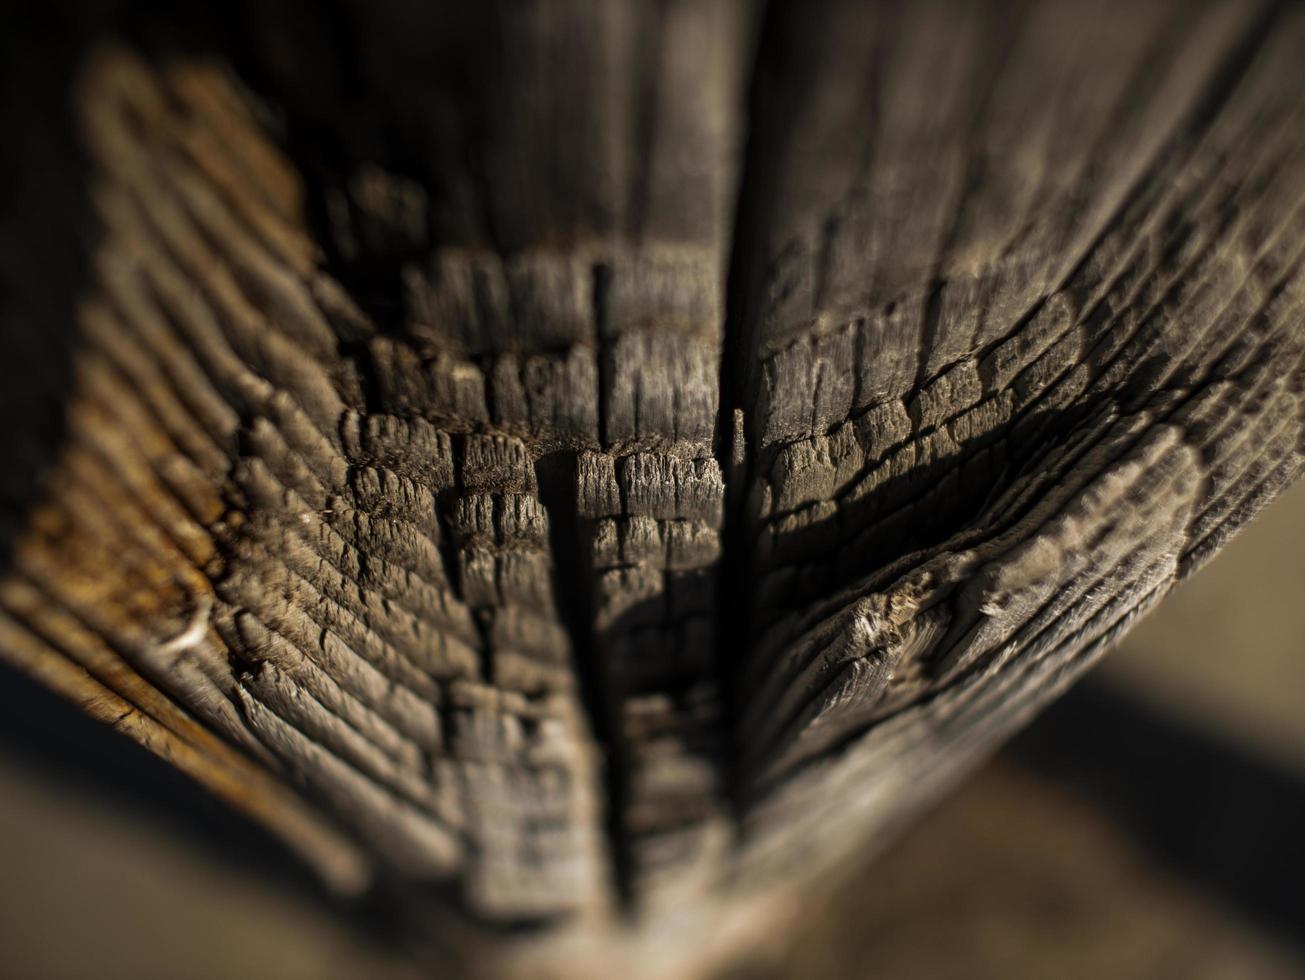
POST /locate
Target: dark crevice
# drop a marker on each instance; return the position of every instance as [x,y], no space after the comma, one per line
[735,438]
[601,275]
[570,543]
[573,581]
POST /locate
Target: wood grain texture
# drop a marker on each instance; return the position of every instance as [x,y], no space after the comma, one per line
[598,466]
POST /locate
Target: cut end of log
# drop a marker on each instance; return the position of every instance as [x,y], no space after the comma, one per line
[595,470]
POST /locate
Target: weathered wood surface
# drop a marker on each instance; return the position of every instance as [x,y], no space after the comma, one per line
[599,465]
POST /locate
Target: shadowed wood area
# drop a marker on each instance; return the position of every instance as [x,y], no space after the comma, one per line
[591,469]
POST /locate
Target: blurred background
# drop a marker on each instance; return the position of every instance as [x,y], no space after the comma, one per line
[1149,825]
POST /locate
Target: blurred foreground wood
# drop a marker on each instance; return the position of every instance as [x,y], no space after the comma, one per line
[594,468]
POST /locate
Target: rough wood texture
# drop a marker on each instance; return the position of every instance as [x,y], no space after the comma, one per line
[596,465]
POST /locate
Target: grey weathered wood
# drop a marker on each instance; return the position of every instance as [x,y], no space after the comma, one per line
[598,466]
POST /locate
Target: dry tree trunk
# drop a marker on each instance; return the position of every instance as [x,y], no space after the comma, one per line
[594,467]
